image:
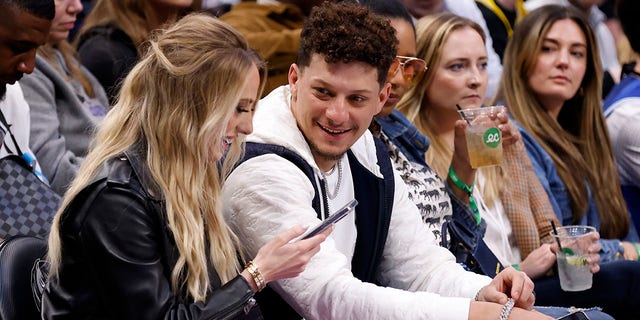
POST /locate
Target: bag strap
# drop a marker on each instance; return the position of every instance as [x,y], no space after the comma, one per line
[29,160]
[13,138]
[254,149]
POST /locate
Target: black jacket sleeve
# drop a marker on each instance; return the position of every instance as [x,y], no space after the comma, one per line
[122,239]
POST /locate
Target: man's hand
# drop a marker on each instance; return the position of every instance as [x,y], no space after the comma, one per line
[510,283]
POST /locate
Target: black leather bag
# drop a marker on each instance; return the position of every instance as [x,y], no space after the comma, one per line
[27,204]
[17,257]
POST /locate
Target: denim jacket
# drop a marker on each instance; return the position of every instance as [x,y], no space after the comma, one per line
[405,136]
[546,171]
[466,244]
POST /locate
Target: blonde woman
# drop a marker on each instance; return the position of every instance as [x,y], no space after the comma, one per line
[459,77]
[511,200]
[112,36]
[140,234]
[66,101]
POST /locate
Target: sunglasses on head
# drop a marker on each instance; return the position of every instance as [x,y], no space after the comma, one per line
[412,68]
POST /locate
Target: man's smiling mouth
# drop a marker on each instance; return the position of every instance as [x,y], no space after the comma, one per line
[332,131]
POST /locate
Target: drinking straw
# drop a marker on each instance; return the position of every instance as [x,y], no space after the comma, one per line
[553,225]
[462,113]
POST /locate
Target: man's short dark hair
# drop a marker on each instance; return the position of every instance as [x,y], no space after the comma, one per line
[44,9]
[391,9]
[344,32]
[628,12]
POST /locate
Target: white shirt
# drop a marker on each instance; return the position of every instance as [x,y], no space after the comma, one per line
[16,111]
[344,232]
[499,235]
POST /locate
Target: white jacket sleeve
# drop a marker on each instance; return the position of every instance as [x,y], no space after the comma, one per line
[267,195]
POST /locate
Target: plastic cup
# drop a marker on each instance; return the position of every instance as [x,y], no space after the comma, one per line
[484,139]
[573,269]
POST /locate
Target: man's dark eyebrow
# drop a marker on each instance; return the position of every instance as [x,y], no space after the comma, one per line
[324,83]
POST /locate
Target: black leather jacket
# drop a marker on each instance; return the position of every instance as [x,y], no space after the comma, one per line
[118,254]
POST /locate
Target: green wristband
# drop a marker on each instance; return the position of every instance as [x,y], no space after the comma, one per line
[516,266]
[635,245]
[473,205]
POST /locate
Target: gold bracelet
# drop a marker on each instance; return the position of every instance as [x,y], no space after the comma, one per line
[257,276]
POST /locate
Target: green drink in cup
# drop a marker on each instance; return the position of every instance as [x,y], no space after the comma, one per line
[484,139]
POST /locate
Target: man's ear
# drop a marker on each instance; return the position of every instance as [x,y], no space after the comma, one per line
[385,92]
[294,75]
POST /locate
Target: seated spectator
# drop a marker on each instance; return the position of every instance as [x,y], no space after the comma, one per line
[141,234]
[513,211]
[559,110]
[469,10]
[405,144]
[23,28]
[272,28]
[557,104]
[22,19]
[606,43]
[459,78]
[622,113]
[66,101]
[319,123]
[110,41]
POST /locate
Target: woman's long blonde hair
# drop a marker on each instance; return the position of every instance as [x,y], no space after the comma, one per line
[176,102]
[578,142]
[431,34]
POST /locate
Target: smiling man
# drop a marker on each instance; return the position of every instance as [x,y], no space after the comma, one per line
[311,153]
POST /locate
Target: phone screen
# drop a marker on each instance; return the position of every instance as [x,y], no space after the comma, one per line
[335,217]
[578,315]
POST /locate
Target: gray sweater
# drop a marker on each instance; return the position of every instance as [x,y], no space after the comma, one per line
[63,118]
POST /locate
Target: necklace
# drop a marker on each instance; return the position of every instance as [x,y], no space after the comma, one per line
[332,195]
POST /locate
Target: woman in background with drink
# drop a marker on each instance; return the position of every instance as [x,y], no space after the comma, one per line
[509,197]
[551,85]
[453,48]
[552,88]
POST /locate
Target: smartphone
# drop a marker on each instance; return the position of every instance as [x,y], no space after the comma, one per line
[578,315]
[335,217]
